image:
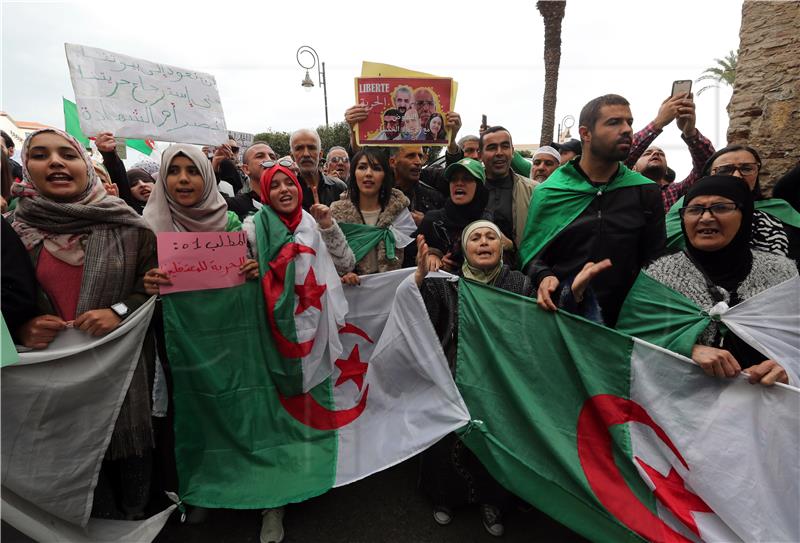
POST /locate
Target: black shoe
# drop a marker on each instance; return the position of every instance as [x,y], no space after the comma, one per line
[492,520]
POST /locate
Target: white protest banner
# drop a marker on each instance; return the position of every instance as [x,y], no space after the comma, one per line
[135,98]
[242,139]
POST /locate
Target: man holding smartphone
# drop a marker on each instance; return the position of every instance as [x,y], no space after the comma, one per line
[651,161]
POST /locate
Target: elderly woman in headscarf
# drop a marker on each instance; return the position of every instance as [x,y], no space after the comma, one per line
[450,473]
[90,252]
[775,224]
[719,264]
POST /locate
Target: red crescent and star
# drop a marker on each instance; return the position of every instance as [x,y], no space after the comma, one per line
[595,450]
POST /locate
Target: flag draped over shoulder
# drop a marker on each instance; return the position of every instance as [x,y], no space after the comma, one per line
[768,321]
[72,126]
[362,238]
[560,199]
[241,443]
[59,407]
[780,209]
[619,439]
[297,265]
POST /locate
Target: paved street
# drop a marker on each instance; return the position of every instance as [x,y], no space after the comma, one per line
[386,507]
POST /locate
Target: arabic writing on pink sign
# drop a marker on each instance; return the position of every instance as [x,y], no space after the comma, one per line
[201,260]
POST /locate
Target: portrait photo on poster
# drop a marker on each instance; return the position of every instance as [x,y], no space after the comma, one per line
[403,110]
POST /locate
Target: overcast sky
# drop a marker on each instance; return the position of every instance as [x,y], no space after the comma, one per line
[493,50]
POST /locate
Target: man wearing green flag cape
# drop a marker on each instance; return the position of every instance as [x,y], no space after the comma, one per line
[594,208]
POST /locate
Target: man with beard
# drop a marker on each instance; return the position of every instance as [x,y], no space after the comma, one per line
[306,149]
[402,99]
[424,104]
[509,192]
[391,125]
[546,160]
[592,209]
[651,161]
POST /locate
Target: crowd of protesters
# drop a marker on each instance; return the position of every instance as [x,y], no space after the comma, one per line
[571,229]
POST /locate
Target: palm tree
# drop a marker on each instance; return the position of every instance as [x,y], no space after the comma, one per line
[724,72]
[552,12]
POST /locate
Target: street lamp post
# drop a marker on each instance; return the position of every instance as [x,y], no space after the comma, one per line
[566,123]
[307,81]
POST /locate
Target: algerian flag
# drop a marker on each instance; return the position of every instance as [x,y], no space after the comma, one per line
[618,439]
[780,209]
[560,199]
[72,126]
[362,238]
[298,267]
[769,321]
[59,407]
[242,444]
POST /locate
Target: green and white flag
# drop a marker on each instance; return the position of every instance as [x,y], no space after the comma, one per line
[619,439]
[769,321]
[242,444]
[59,407]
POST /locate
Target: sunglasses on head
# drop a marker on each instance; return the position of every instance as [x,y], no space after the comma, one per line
[285,162]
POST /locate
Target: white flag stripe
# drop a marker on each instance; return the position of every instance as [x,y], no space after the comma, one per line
[42,526]
[412,402]
[72,389]
[770,323]
[738,440]
[322,326]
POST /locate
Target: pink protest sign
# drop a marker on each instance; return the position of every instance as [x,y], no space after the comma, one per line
[201,260]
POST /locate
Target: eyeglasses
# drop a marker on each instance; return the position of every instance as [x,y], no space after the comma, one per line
[428,103]
[729,169]
[337,159]
[716,210]
[285,162]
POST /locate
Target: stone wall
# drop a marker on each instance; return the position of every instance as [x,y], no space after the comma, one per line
[765,107]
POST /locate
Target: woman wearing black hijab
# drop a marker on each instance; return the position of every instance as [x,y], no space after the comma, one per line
[719,265]
[442,228]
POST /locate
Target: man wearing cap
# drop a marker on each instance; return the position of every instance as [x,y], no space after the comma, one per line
[651,161]
[545,161]
[509,192]
[569,150]
[466,203]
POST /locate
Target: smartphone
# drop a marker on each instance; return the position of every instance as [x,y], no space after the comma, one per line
[484,123]
[681,86]
[122,148]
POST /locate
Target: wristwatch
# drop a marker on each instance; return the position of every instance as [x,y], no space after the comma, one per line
[121,310]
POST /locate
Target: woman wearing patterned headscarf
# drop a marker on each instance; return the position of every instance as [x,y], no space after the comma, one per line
[90,252]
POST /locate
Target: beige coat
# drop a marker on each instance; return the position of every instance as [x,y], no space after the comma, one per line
[521,201]
[344,211]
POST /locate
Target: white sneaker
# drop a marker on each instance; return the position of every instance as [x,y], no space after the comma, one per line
[272,525]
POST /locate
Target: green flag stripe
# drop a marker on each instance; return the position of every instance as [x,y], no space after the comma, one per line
[656,313]
[527,374]
[560,199]
[72,126]
[362,238]
[236,446]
